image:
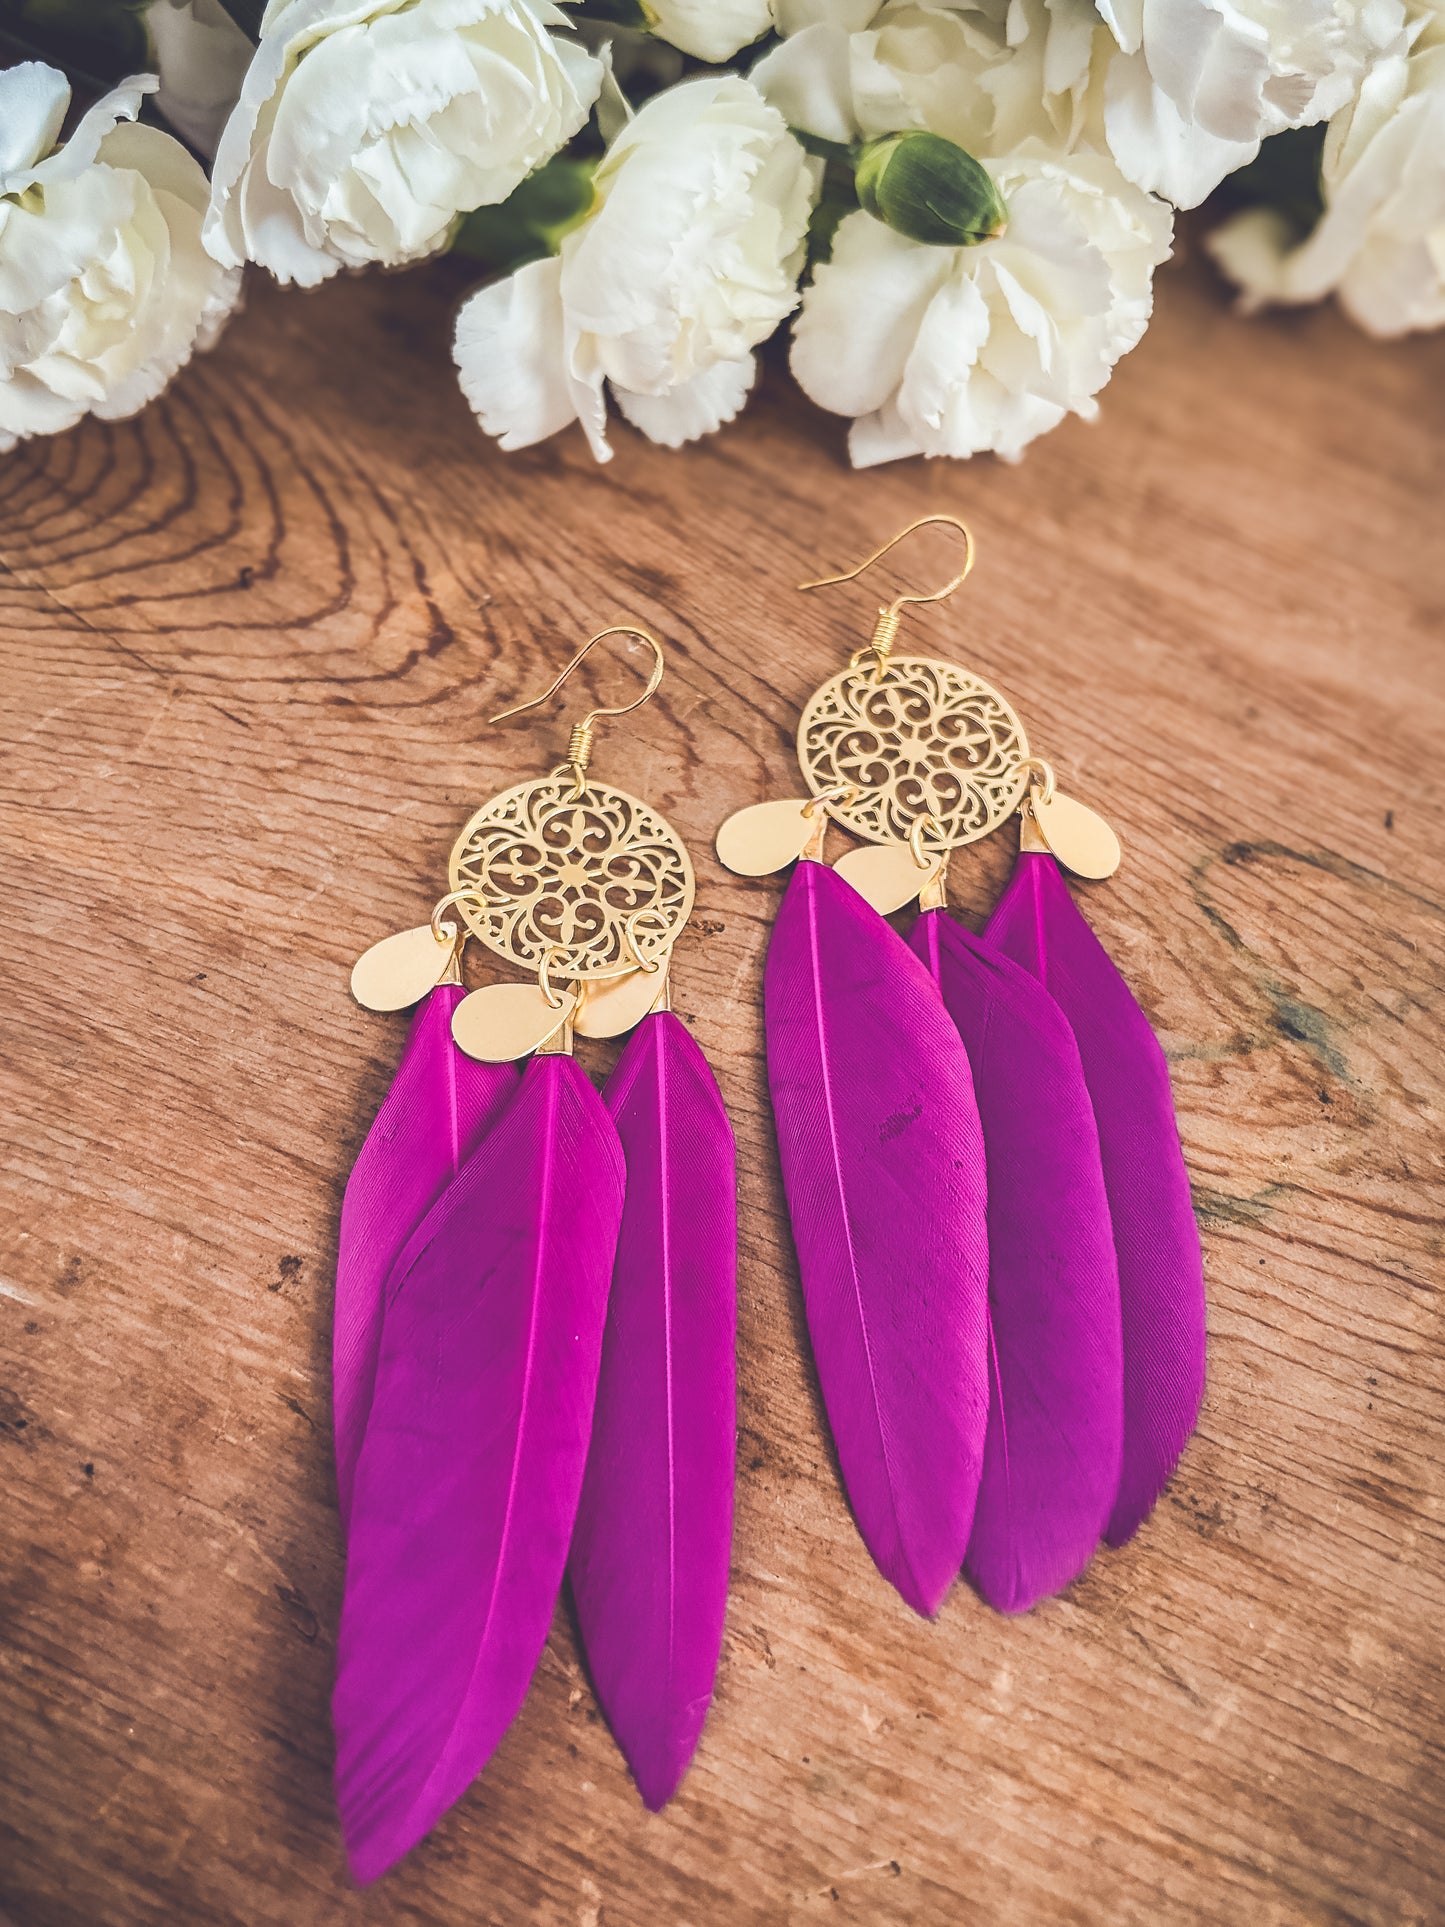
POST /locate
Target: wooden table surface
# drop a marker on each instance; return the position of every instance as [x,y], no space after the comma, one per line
[250,644]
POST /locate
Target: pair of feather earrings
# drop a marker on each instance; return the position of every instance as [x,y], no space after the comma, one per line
[535,1316]
[535,1308]
[998,1253]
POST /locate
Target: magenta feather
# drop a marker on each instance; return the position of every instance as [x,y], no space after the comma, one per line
[883,1165]
[467,1483]
[441,1103]
[1161,1276]
[650,1553]
[1056,1407]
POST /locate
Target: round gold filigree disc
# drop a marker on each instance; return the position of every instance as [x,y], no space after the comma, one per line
[915,737]
[587,884]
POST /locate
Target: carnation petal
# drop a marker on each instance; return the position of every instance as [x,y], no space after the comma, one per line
[710,29]
[796,16]
[43,247]
[275,233]
[935,396]
[33,100]
[67,163]
[1213,61]
[512,356]
[1156,147]
[690,408]
[883,436]
[861,316]
[1125,20]
[809,79]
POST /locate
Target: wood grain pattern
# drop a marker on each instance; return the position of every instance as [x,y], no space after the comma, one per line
[250,643]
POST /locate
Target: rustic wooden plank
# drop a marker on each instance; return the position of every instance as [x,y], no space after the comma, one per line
[250,643]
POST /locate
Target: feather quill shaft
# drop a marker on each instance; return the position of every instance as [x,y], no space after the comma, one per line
[468,1479]
[1161,1275]
[1056,1408]
[441,1103]
[650,1553]
[883,1165]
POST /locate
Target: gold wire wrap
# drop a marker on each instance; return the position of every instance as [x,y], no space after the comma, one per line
[885,631]
[579,753]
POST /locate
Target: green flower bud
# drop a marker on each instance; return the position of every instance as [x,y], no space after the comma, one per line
[930,190]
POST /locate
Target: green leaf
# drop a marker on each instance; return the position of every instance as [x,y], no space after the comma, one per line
[929,189]
[534,219]
[823,149]
[837,199]
[823,224]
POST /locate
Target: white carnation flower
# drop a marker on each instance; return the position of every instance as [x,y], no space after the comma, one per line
[201,56]
[1380,243]
[1197,84]
[850,68]
[105,287]
[688,260]
[954,351]
[365,127]
[709,29]
[1181,92]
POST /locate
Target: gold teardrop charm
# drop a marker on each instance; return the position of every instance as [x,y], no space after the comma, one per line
[400,970]
[887,875]
[765,837]
[619,1004]
[503,1022]
[1078,836]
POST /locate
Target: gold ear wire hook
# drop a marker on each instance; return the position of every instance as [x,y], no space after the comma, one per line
[891,614]
[579,747]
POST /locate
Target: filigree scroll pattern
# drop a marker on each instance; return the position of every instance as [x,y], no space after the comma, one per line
[916,737]
[590,883]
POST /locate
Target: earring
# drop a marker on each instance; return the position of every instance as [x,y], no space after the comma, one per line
[538,1365]
[1084,1178]
[883,1168]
